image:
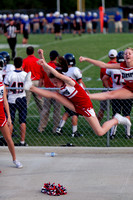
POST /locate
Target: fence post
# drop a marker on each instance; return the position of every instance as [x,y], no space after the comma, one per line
[108,117]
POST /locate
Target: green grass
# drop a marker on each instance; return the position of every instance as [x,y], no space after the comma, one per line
[95,46]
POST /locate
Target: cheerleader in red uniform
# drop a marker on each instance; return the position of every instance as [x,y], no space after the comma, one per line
[5,123]
[126,69]
[72,95]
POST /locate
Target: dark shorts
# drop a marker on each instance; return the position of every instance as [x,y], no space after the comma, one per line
[21,106]
[26,34]
[70,112]
[57,28]
[77,26]
[105,24]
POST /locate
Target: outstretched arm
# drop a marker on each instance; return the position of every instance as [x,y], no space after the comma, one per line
[50,69]
[100,63]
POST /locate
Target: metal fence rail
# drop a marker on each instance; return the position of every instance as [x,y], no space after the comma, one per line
[48,138]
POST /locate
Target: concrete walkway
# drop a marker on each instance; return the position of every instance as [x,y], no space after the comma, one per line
[87,173]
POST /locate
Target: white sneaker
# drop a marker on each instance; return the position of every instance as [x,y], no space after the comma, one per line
[27,82]
[122,120]
[18,164]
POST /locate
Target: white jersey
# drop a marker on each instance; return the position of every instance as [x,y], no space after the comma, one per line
[74,73]
[15,79]
[6,69]
[116,76]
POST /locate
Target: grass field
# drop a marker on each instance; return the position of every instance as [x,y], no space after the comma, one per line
[95,46]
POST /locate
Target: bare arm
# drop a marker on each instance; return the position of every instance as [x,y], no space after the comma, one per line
[50,69]
[105,80]
[100,63]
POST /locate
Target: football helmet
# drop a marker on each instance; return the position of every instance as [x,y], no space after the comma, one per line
[6,56]
[120,56]
[70,59]
[1,62]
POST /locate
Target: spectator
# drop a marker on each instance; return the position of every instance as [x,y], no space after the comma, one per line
[74,73]
[89,22]
[105,23]
[118,106]
[17,97]
[5,124]
[42,21]
[77,23]
[1,24]
[94,22]
[17,20]
[103,104]
[10,32]
[36,23]
[25,29]
[49,23]
[31,22]
[57,21]
[130,22]
[118,22]
[30,64]
[72,23]
[66,21]
[83,18]
[44,116]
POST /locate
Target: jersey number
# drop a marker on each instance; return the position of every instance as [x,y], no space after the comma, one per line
[117,77]
[19,85]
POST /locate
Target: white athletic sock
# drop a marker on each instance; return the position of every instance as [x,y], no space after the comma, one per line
[74,128]
[127,130]
[62,122]
[113,130]
[22,142]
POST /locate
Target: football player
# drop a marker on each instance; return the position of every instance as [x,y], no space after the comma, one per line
[17,97]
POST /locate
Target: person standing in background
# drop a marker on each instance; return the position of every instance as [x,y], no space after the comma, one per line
[17,97]
[30,64]
[44,116]
[25,29]
[118,22]
[105,23]
[103,104]
[118,105]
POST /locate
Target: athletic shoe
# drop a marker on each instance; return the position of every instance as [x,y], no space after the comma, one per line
[122,120]
[59,131]
[18,164]
[27,82]
[128,136]
[112,137]
[76,134]
[21,145]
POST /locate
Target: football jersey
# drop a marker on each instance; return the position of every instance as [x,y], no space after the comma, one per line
[116,76]
[77,96]
[15,79]
[6,69]
[74,73]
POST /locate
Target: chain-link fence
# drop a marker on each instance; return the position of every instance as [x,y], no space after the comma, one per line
[48,137]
